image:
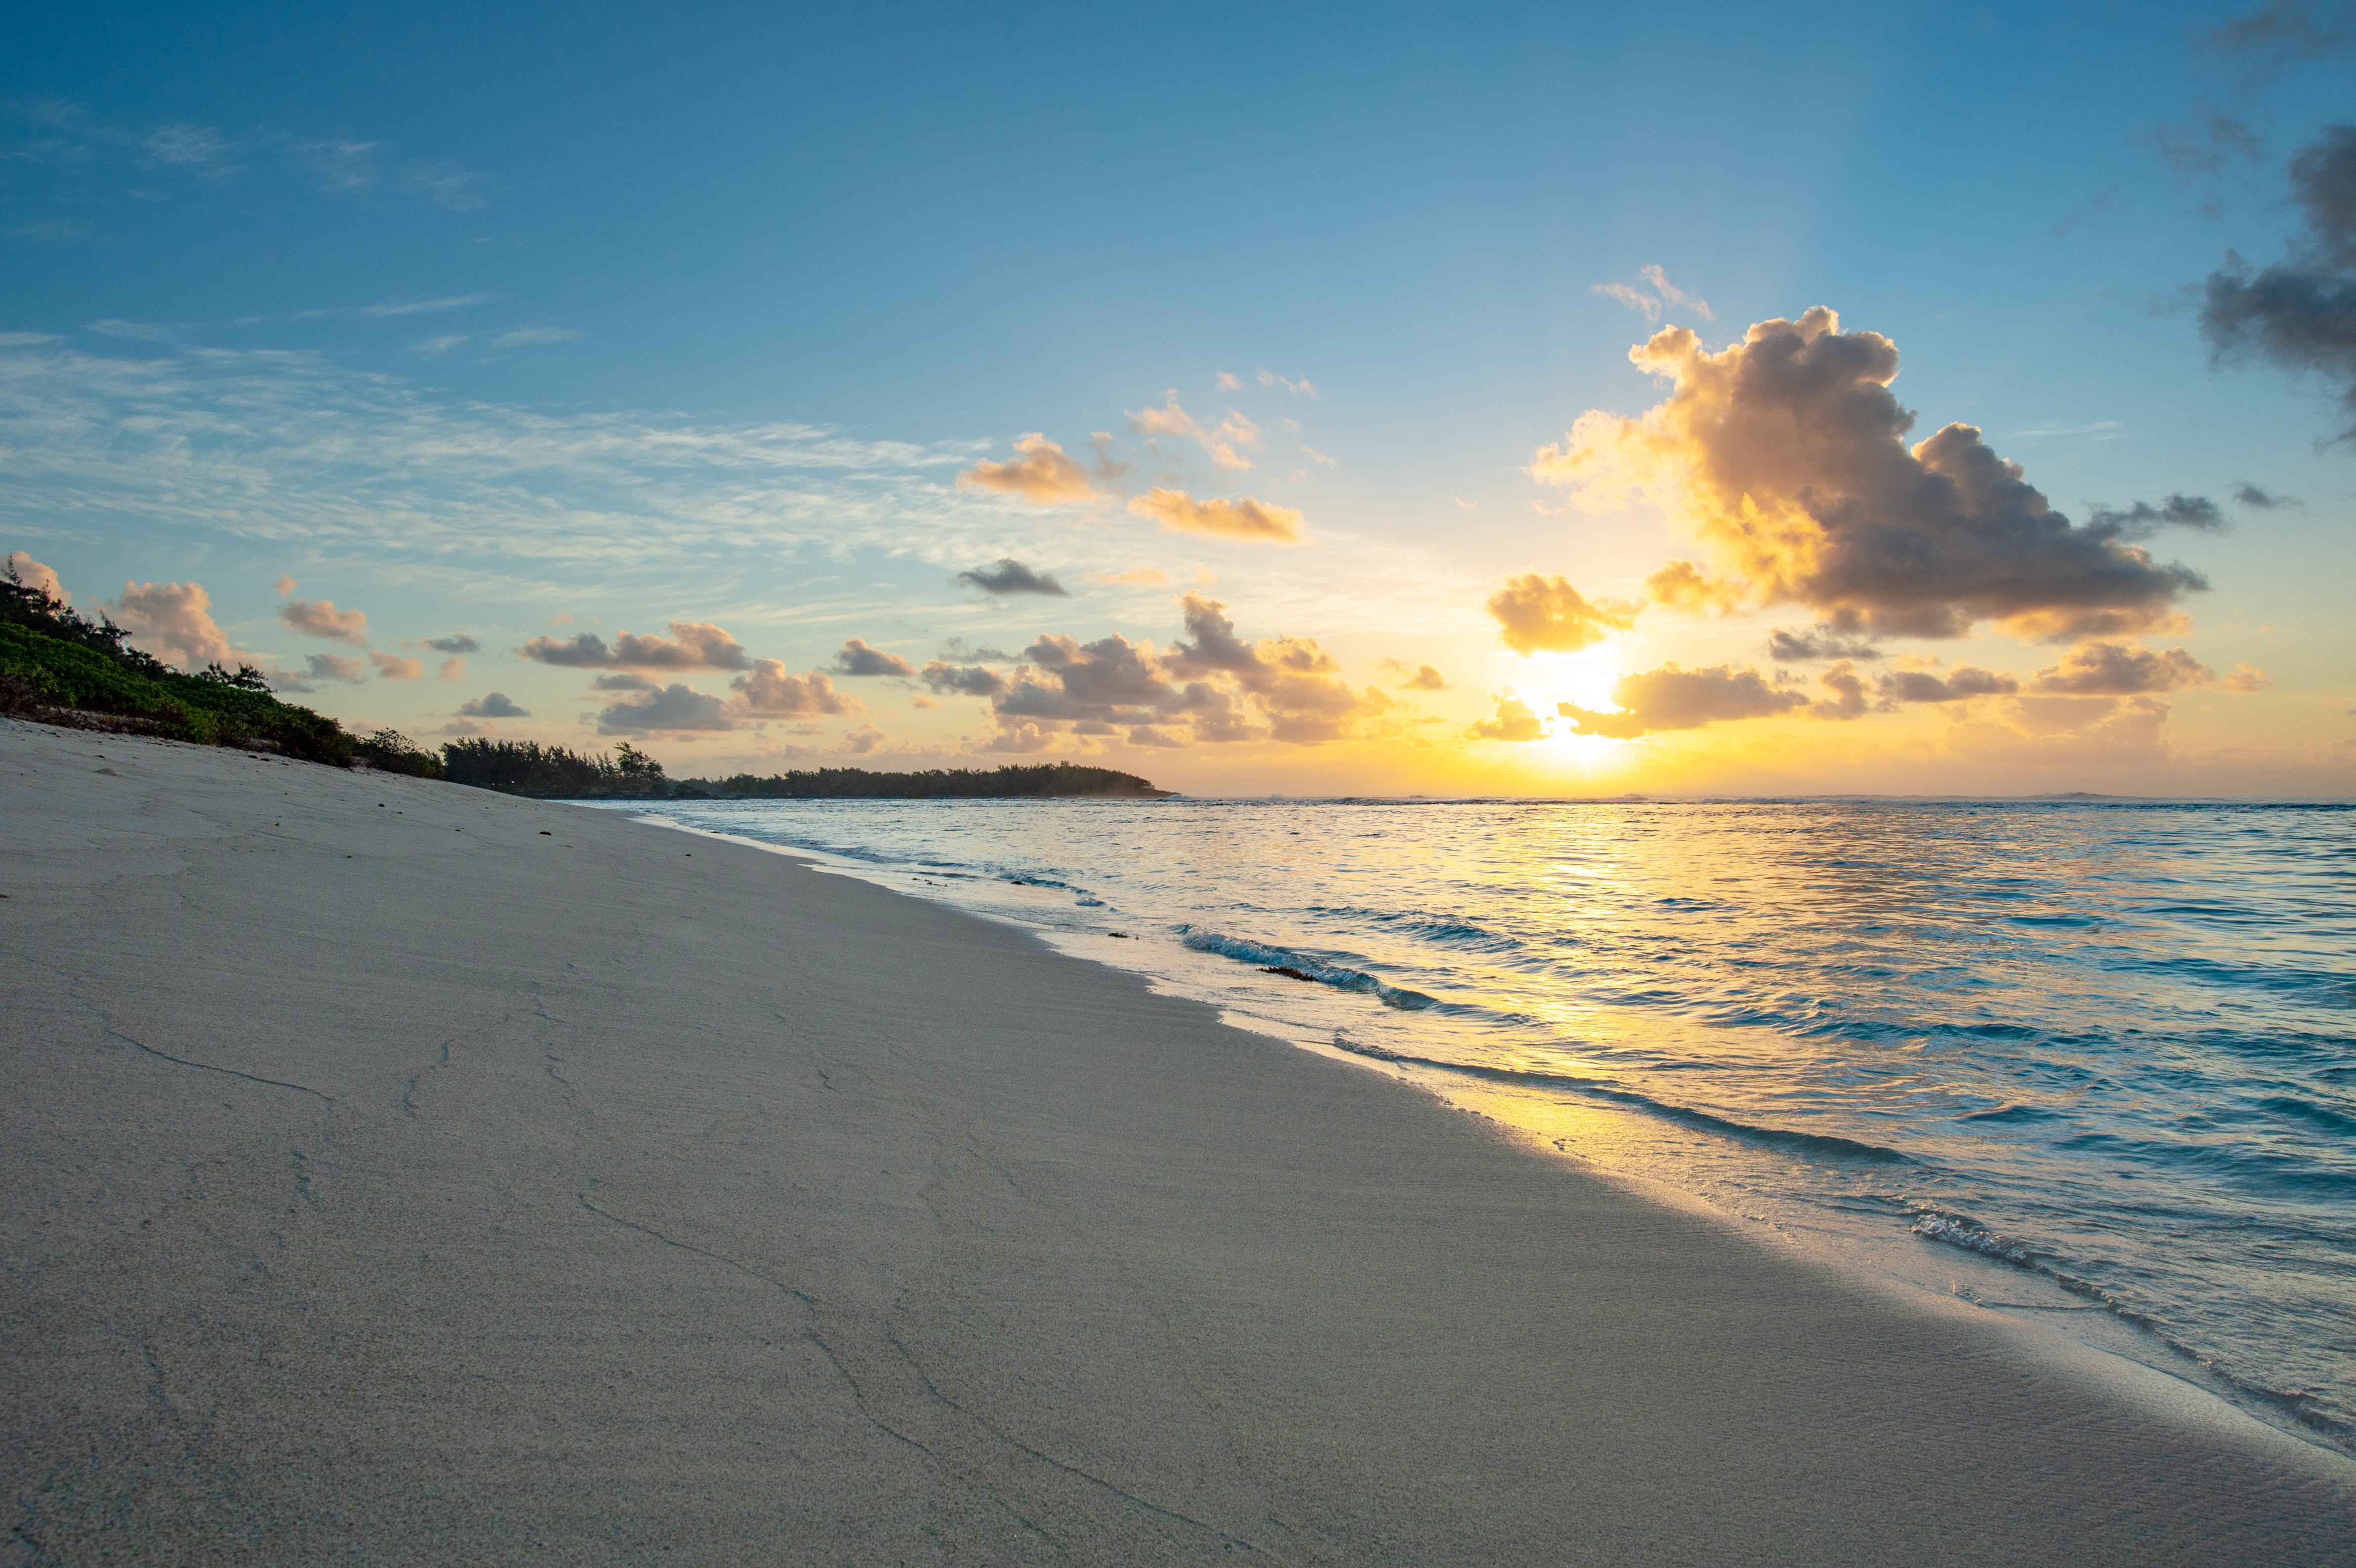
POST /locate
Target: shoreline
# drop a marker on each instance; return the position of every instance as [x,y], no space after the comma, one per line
[2128,1356]
[477,1176]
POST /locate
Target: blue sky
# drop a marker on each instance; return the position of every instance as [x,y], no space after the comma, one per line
[630,316]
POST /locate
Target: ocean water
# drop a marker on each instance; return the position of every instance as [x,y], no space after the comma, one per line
[2092,1063]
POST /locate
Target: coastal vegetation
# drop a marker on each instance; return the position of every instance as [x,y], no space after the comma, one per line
[559,772]
[60,665]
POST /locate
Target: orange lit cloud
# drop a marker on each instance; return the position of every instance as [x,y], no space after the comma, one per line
[692,644]
[1785,452]
[1543,614]
[172,621]
[1242,518]
[1042,474]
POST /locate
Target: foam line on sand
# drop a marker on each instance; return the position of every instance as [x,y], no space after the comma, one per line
[400,1172]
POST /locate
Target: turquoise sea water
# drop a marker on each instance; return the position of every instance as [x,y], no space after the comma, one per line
[2105,1052]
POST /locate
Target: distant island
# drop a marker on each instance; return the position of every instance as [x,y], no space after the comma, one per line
[558,773]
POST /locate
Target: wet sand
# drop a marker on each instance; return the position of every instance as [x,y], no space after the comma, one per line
[406,1173]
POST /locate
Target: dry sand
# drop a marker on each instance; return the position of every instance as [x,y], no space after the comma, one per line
[403,1173]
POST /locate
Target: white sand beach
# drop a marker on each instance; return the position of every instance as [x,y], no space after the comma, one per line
[399,1172]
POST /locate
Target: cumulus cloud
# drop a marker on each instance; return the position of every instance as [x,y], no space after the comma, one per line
[1515,722]
[674,709]
[1671,697]
[1242,518]
[1213,687]
[1817,643]
[1010,576]
[1957,685]
[24,568]
[855,658]
[863,739]
[457,643]
[1040,473]
[333,667]
[769,692]
[2119,669]
[392,666]
[964,680]
[493,705]
[2299,314]
[1785,452]
[1547,614]
[692,644]
[173,622]
[320,618]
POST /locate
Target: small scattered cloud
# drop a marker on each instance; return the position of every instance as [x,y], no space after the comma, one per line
[284,585]
[1664,296]
[1143,576]
[535,337]
[769,691]
[963,680]
[46,232]
[392,666]
[1547,614]
[2094,429]
[1242,518]
[423,307]
[2100,204]
[1423,678]
[1817,643]
[1303,388]
[1009,576]
[1220,442]
[1041,473]
[863,739]
[2259,499]
[1513,721]
[2119,669]
[138,331]
[334,667]
[1672,698]
[1958,685]
[320,618]
[856,659]
[434,348]
[493,705]
[2142,519]
[1319,458]
[675,709]
[2247,678]
[692,644]
[1228,383]
[451,669]
[457,643]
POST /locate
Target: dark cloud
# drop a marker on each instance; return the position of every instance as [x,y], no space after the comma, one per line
[333,667]
[624,683]
[2280,33]
[769,692]
[674,709]
[2142,519]
[1957,685]
[461,643]
[2260,499]
[1011,576]
[1213,687]
[1515,722]
[1675,698]
[1787,452]
[1536,614]
[492,705]
[2119,669]
[855,658]
[1817,643]
[964,680]
[692,644]
[2299,314]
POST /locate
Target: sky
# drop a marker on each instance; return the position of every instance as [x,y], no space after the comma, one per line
[1557,400]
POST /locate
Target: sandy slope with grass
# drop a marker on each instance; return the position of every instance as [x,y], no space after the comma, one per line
[398,1171]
